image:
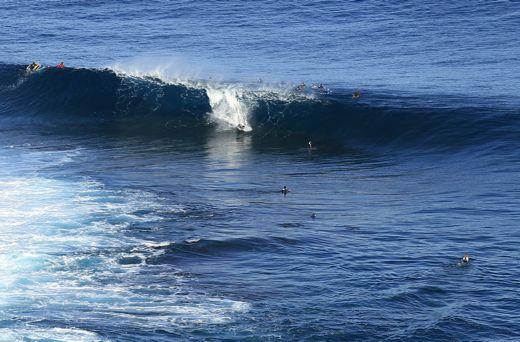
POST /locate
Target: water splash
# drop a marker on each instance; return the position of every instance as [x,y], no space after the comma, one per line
[229,107]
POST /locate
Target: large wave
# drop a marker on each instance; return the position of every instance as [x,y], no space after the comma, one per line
[143,101]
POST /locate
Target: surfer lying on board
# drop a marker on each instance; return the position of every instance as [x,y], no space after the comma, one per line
[356,95]
[60,66]
[33,66]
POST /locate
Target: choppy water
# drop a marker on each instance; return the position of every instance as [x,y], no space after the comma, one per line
[131,208]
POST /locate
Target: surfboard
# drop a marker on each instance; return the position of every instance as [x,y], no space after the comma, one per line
[40,69]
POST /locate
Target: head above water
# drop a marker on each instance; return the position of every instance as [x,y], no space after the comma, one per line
[465,258]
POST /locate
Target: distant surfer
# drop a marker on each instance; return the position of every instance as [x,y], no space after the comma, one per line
[33,66]
[61,65]
[241,128]
[301,87]
[310,145]
[319,87]
[356,95]
[465,259]
[285,190]
[313,215]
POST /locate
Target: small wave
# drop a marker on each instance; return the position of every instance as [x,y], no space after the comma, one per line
[202,248]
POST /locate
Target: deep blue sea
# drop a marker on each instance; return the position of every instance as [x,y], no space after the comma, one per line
[140,186]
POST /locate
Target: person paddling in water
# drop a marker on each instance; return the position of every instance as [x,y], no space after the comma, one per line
[60,66]
[33,66]
[285,190]
[465,259]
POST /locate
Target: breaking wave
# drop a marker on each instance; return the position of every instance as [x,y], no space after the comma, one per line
[151,101]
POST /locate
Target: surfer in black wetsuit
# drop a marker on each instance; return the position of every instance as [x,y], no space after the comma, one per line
[356,95]
[465,259]
[285,190]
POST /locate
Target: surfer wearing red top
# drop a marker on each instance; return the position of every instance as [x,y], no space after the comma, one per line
[60,66]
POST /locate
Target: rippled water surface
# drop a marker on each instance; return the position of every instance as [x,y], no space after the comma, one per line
[125,237]
[142,202]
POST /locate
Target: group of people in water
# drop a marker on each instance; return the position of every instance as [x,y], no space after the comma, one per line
[35,66]
[302,87]
[285,190]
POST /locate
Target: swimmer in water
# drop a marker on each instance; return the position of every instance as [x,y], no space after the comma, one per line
[356,95]
[465,259]
[285,190]
[313,215]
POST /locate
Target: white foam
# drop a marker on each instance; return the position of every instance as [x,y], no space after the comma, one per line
[54,334]
[62,251]
[229,106]
[229,102]
[157,244]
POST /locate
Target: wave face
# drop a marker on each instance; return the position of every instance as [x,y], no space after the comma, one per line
[113,99]
[98,95]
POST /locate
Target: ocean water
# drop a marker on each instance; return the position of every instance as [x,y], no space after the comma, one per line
[132,209]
